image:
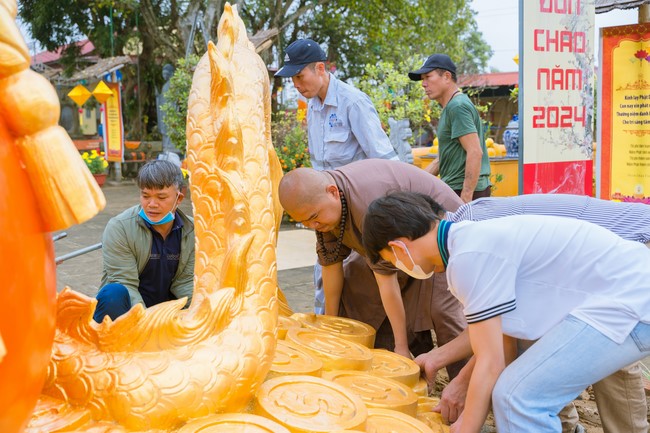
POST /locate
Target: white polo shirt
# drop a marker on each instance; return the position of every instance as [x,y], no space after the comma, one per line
[535,270]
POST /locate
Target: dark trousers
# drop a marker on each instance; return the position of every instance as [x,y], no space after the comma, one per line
[487,192]
[113,300]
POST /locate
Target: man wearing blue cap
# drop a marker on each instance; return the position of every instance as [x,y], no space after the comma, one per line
[462,162]
[343,125]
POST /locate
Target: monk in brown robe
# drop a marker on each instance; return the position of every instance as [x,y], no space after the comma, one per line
[403,309]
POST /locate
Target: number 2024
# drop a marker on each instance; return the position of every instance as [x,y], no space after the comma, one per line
[565,116]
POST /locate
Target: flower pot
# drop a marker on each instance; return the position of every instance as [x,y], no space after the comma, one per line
[100,178]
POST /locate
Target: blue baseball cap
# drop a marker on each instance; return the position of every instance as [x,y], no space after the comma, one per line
[435,61]
[299,54]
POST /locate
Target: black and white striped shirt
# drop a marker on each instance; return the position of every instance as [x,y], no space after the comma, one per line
[630,221]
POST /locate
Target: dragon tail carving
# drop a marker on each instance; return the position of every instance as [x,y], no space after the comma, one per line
[156,368]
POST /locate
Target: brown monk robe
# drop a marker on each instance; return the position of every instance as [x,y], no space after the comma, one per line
[347,192]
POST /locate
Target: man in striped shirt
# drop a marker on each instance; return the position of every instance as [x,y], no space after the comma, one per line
[625,408]
[630,221]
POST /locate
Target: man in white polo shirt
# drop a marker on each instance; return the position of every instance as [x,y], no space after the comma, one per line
[580,289]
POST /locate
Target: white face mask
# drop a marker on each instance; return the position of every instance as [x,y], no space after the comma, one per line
[416,272]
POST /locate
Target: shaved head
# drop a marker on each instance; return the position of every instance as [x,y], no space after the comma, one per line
[311,197]
[302,186]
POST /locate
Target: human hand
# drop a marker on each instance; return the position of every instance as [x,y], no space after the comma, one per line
[452,400]
[403,350]
[455,427]
[428,369]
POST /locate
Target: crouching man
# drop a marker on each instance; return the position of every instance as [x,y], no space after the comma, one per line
[148,249]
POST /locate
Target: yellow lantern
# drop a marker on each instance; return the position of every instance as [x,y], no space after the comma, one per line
[102,92]
[79,95]
[516,59]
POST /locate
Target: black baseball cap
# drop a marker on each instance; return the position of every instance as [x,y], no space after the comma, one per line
[435,61]
[299,54]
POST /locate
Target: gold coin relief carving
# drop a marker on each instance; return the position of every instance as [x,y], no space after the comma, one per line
[394,366]
[390,421]
[377,392]
[348,329]
[233,423]
[305,403]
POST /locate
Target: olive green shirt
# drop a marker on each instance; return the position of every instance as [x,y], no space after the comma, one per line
[459,118]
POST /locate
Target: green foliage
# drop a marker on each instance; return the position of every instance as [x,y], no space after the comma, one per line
[289,137]
[175,107]
[55,23]
[474,93]
[361,32]
[595,111]
[356,32]
[155,24]
[496,179]
[394,95]
[514,94]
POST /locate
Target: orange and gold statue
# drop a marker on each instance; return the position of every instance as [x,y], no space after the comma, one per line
[159,367]
[44,186]
[211,367]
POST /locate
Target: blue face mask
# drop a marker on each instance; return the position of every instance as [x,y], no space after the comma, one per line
[164,220]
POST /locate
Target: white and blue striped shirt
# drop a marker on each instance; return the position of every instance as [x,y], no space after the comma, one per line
[630,221]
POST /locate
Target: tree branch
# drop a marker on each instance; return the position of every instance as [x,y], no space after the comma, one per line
[186,21]
[162,35]
[300,12]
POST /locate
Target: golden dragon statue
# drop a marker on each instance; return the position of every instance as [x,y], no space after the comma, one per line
[158,367]
[216,366]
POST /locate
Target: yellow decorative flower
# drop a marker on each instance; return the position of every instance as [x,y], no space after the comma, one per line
[301,113]
[290,139]
[95,161]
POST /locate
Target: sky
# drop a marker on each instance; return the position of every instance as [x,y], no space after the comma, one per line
[497,20]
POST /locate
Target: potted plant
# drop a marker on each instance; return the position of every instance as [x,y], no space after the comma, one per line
[96,164]
[290,139]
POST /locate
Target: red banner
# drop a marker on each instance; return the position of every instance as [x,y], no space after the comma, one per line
[556,95]
[562,177]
